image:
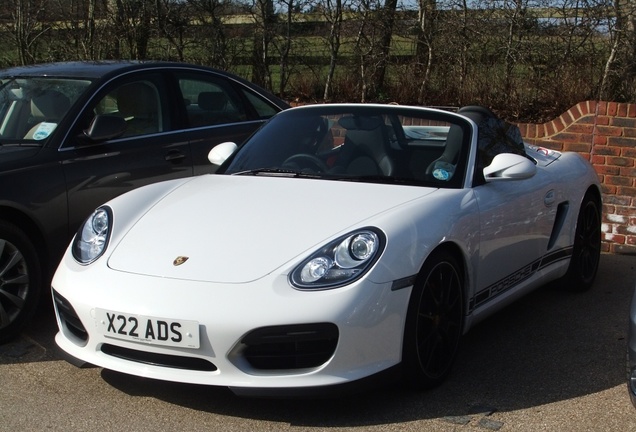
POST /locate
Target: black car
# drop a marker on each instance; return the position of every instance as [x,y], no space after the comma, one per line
[74,135]
[631,350]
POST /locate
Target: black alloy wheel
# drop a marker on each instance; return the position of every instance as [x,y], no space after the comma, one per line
[434,323]
[586,251]
[19,280]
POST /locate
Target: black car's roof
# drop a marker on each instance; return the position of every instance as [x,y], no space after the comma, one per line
[90,69]
[95,70]
[79,69]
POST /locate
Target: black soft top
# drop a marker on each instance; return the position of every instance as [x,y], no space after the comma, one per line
[494,136]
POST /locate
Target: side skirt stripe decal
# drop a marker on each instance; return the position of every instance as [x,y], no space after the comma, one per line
[510,281]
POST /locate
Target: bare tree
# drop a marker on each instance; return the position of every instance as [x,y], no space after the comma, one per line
[426,15]
[79,29]
[172,22]
[386,23]
[213,41]
[365,46]
[525,62]
[284,39]
[611,75]
[265,22]
[619,78]
[514,12]
[132,21]
[28,27]
[332,11]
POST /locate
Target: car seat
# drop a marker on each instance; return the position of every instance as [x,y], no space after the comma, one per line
[47,109]
[443,167]
[215,108]
[139,105]
[365,147]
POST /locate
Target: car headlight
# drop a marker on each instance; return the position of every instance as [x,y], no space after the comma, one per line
[340,262]
[92,238]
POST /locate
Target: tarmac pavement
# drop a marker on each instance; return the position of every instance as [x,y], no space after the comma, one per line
[553,361]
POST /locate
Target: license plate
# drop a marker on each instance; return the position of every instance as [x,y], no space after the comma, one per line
[147,329]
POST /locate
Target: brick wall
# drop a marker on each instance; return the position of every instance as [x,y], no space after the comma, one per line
[605,134]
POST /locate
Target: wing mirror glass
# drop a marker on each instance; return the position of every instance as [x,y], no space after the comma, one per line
[509,166]
[221,152]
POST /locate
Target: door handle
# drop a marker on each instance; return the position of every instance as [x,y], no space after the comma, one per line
[549,198]
[174,156]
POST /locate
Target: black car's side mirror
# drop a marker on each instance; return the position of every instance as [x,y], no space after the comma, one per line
[104,127]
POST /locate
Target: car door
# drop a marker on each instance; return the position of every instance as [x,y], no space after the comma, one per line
[516,220]
[217,109]
[150,149]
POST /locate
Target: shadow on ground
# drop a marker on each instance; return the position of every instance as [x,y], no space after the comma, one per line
[548,347]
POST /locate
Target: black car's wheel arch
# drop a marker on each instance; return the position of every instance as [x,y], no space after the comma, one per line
[33,231]
[22,283]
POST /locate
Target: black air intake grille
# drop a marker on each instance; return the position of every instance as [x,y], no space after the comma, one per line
[298,346]
[69,318]
[165,360]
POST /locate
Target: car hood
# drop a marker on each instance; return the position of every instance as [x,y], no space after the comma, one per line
[236,229]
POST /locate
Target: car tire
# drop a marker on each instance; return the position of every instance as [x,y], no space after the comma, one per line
[586,251]
[20,280]
[434,322]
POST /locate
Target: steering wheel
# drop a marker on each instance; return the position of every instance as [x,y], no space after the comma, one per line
[304,160]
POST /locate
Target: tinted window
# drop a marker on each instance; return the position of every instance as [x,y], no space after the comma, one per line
[139,103]
[209,101]
[31,108]
[263,108]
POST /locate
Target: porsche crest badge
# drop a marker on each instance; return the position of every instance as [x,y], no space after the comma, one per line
[179,260]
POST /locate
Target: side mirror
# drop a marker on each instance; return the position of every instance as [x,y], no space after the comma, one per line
[509,166]
[105,127]
[221,152]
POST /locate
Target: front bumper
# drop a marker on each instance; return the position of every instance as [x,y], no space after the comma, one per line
[255,338]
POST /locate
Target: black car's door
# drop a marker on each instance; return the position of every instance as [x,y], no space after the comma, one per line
[150,149]
[217,109]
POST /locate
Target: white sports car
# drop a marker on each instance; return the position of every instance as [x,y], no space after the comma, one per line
[340,242]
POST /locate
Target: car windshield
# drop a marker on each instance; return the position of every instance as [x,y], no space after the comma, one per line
[31,108]
[370,143]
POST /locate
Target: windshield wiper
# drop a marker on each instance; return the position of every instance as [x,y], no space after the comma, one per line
[367,178]
[277,172]
[19,143]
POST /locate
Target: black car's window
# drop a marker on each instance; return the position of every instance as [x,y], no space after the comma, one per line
[31,108]
[139,103]
[395,145]
[209,101]
[263,108]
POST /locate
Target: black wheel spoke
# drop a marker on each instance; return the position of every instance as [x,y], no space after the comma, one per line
[14,283]
[589,241]
[439,319]
[4,317]
[586,248]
